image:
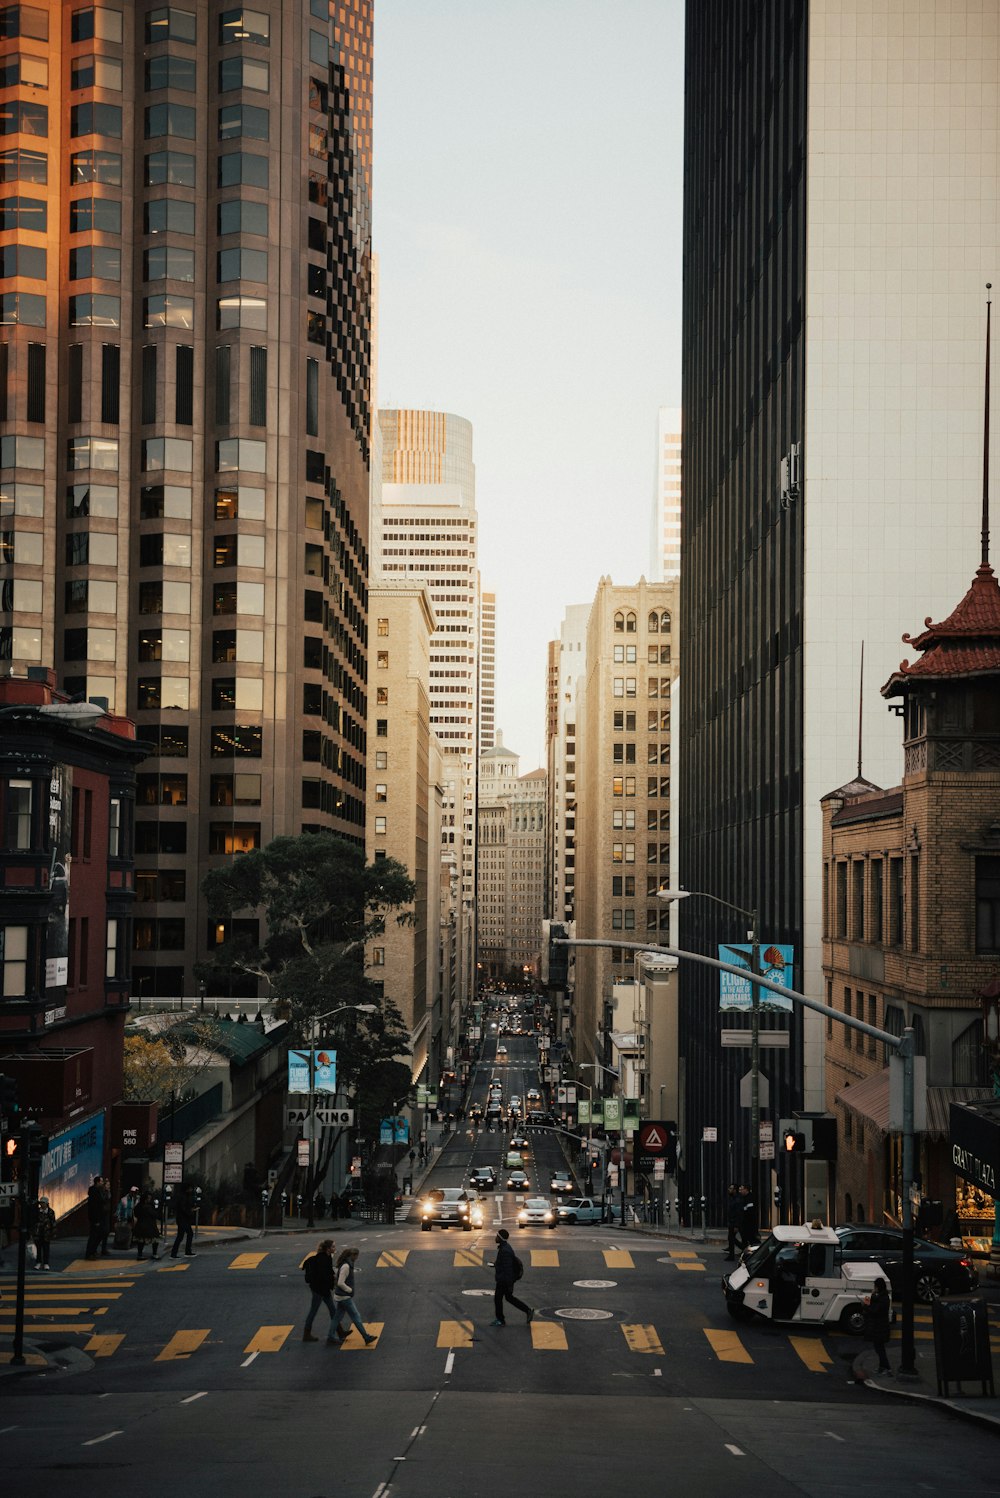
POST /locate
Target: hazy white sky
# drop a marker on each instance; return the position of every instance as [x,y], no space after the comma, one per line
[527,215]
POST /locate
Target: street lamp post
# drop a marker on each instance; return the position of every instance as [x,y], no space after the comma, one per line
[314,1024]
[753,936]
[599,1066]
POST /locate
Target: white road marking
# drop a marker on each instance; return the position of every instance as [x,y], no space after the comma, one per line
[192,1397]
[7,1429]
[449,1363]
[833,1435]
[247,1361]
[657,1373]
[735,1450]
[381,1490]
[98,1439]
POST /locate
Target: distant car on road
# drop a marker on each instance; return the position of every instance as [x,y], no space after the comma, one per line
[517,1181]
[501,1051]
[561,1183]
[513,1160]
[537,1212]
[519,1142]
[483,1178]
[937,1270]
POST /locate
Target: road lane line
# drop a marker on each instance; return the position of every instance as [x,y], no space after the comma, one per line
[98,1439]
[833,1435]
[468,1258]
[247,1361]
[727,1346]
[449,1364]
[735,1450]
[181,1345]
[192,1397]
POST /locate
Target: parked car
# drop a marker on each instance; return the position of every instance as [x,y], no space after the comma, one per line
[446,1207]
[537,1212]
[937,1270]
[517,1181]
[585,1209]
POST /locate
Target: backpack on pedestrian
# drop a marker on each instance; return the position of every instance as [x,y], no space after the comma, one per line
[518,1269]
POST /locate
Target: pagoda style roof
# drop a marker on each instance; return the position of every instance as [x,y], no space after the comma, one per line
[965,644]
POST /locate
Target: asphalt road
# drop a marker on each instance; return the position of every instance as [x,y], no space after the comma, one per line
[631,1379]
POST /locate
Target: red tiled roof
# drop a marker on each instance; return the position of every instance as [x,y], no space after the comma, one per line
[868,808]
[967,643]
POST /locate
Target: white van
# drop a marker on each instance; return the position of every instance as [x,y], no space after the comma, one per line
[796,1275]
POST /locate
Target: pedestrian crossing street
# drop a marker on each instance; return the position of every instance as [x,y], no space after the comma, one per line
[81,1304]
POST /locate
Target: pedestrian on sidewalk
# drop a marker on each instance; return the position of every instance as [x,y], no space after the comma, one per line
[95,1218]
[749,1231]
[506,1267]
[45,1228]
[184,1217]
[105,1215]
[145,1227]
[734,1217]
[343,1293]
[877,1325]
[319,1276]
[125,1218]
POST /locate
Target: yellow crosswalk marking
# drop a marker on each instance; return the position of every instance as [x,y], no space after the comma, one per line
[545,1258]
[727,1346]
[548,1336]
[642,1339]
[85,1296]
[468,1258]
[618,1258]
[813,1353]
[44,1310]
[181,1345]
[47,1326]
[247,1261]
[32,1359]
[393,1258]
[355,1343]
[695,1264]
[268,1339]
[96,1270]
[455,1334]
[173,1268]
[103,1347]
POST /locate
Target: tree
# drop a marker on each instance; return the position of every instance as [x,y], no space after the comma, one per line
[322,905]
[160,1067]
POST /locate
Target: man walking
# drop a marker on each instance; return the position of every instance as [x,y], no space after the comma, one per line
[319,1276]
[748,1217]
[506,1271]
[877,1325]
[184,1217]
[734,1216]
[95,1218]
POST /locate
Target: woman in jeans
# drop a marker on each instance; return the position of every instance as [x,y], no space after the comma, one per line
[343,1295]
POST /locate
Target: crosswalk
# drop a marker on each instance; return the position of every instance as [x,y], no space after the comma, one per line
[83,1303]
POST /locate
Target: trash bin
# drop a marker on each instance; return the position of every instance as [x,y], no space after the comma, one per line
[962,1344]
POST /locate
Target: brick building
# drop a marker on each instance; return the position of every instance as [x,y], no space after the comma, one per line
[911,901]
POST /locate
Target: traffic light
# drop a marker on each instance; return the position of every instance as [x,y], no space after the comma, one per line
[795,1142]
[35,1142]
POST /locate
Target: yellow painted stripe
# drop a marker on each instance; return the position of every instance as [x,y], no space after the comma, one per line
[84,1297]
[103,1347]
[247,1261]
[181,1345]
[455,1334]
[41,1309]
[268,1339]
[618,1258]
[32,1359]
[642,1339]
[548,1336]
[393,1258]
[682,1253]
[545,1258]
[920,1336]
[48,1326]
[694,1264]
[468,1258]
[727,1346]
[97,1270]
[812,1352]
[355,1343]
[174,1269]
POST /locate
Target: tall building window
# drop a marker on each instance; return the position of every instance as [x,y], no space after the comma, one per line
[239,23]
[169,70]
[171,23]
[17,816]
[24,213]
[988,904]
[243,120]
[242,168]
[97,119]
[169,119]
[19,165]
[14,949]
[175,168]
[95,23]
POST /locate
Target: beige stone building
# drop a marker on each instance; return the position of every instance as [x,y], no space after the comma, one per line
[511,887]
[404,819]
[623,792]
[527,871]
[911,903]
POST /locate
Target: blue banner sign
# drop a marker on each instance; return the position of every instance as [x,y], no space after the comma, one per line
[324,1077]
[393,1131]
[74,1158]
[776,963]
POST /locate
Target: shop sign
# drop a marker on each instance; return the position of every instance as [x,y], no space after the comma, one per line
[975,1146]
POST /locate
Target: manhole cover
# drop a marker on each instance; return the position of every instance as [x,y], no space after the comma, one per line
[595,1284]
[477,1292]
[584,1313]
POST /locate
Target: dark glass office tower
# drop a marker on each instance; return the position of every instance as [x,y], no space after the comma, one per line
[741,786]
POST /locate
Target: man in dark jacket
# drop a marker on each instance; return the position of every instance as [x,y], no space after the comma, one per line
[734,1216]
[877,1326]
[505,1268]
[748,1217]
[319,1271]
[95,1217]
[184,1217]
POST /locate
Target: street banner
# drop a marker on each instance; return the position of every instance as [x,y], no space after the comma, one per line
[324,1071]
[612,1112]
[776,964]
[583,1113]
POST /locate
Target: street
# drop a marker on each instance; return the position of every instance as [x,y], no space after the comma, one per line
[631,1378]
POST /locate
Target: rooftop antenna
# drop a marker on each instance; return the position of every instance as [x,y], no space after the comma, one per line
[985,559]
[861,698]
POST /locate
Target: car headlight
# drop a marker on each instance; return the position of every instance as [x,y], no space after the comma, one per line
[522,1216]
[548,1217]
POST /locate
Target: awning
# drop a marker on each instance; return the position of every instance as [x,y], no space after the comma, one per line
[870,1100]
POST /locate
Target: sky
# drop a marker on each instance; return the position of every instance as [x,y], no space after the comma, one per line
[527,219]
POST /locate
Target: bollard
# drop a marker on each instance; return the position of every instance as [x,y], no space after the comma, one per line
[691,1213]
[265,1197]
[703,1219]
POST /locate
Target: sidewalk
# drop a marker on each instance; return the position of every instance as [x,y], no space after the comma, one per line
[983,1410]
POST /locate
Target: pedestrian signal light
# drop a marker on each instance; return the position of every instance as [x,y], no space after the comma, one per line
[795,1142]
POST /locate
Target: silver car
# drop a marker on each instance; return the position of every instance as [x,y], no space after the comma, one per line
[537,1212]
